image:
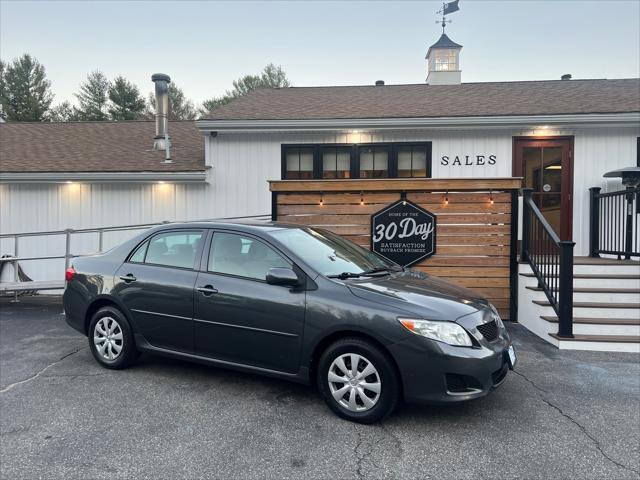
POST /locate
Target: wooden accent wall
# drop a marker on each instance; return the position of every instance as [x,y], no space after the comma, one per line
[474,239]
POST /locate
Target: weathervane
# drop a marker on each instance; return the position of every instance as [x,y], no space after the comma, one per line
[446,9]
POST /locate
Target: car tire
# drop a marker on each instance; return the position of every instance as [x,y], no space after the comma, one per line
[356,397]
[111,339]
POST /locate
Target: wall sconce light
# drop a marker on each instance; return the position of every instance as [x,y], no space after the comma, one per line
[446,198]
[361,198]
[321,198]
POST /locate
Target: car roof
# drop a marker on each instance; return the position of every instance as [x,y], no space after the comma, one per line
[243,226]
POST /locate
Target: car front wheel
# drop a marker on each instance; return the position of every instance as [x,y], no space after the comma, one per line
[358,380]
[111,340]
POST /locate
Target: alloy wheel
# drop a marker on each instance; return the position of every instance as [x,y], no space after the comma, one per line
[107,338]
[354,382]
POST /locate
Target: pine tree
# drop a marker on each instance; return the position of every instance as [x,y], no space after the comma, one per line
[126,101]
[180,108]
[25,92]
[93,97]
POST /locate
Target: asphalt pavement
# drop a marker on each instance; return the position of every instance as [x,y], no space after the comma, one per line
[561,415]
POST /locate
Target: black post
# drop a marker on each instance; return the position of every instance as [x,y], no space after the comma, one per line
[274,206]
[526,224]
[594,222]
[513,261]
[565,310]
[628,241]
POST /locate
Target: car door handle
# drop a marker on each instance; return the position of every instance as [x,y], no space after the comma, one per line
[207,290]
[128,278]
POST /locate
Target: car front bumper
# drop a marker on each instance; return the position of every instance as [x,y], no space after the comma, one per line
[435,372]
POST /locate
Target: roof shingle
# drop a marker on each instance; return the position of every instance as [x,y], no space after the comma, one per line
[552,97]
[98,147]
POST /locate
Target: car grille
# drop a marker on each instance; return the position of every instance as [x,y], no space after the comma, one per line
[457,384]
[489,330]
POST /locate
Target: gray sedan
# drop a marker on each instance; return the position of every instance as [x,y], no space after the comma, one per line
[292,302]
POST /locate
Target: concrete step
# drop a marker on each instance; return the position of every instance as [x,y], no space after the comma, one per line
[605,266]
[597,276]
[606,343]
[597,309]
[587,294]
[598,321]
[600,328]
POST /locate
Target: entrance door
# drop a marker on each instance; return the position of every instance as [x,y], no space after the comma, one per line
[546,165]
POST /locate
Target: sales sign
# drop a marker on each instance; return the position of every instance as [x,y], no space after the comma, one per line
[403,233]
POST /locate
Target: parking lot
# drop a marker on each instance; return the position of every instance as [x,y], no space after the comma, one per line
[561,415]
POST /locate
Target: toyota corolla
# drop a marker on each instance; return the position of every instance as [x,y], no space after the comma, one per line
[291,302]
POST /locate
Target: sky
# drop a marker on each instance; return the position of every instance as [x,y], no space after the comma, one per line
[205,45]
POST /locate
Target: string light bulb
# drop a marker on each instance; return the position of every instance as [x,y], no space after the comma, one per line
[361,198]
[321,199]
[446,198]
[491,197]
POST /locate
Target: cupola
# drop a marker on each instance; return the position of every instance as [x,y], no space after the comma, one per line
[443,62]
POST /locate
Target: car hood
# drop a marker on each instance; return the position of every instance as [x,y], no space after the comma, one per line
[419,294]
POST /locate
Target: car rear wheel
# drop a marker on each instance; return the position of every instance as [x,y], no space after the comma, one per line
[358,380]
[111,340]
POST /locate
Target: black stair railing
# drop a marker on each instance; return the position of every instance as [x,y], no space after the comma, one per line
[551,260]
[613,223]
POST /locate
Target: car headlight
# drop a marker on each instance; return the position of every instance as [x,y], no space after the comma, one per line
[496,316]
[447,332]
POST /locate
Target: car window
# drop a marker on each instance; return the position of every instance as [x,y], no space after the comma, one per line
[243,256]
[328,253]
[174,249]
[138,255]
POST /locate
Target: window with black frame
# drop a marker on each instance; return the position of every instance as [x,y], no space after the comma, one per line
[412,161]
[340,161]
[298,163]
[374,161]
[336,162]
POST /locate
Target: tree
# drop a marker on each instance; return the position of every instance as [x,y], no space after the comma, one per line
[272,76]
[180,108]
[93,97]
[126,101]
[64,112]
[215,102]
[25,92]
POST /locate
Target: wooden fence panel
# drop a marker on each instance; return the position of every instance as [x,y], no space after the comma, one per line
[473,237]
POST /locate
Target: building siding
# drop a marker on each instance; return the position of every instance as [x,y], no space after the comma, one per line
[240,165]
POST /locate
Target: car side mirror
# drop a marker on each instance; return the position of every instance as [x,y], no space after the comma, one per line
[282,276]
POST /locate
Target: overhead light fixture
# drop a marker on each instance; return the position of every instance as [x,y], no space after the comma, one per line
[553,167]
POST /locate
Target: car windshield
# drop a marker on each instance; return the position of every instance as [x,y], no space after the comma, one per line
[330,254]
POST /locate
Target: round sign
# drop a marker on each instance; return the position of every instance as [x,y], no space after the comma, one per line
[546,187]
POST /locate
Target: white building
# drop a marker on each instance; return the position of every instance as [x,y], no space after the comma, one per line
[562,136]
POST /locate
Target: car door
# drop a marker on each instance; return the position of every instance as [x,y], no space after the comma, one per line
[156,285]
[238,316]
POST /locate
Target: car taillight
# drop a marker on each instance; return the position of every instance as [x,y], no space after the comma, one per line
[69,273]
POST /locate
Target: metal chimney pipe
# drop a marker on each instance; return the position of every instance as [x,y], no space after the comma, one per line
[161,140]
